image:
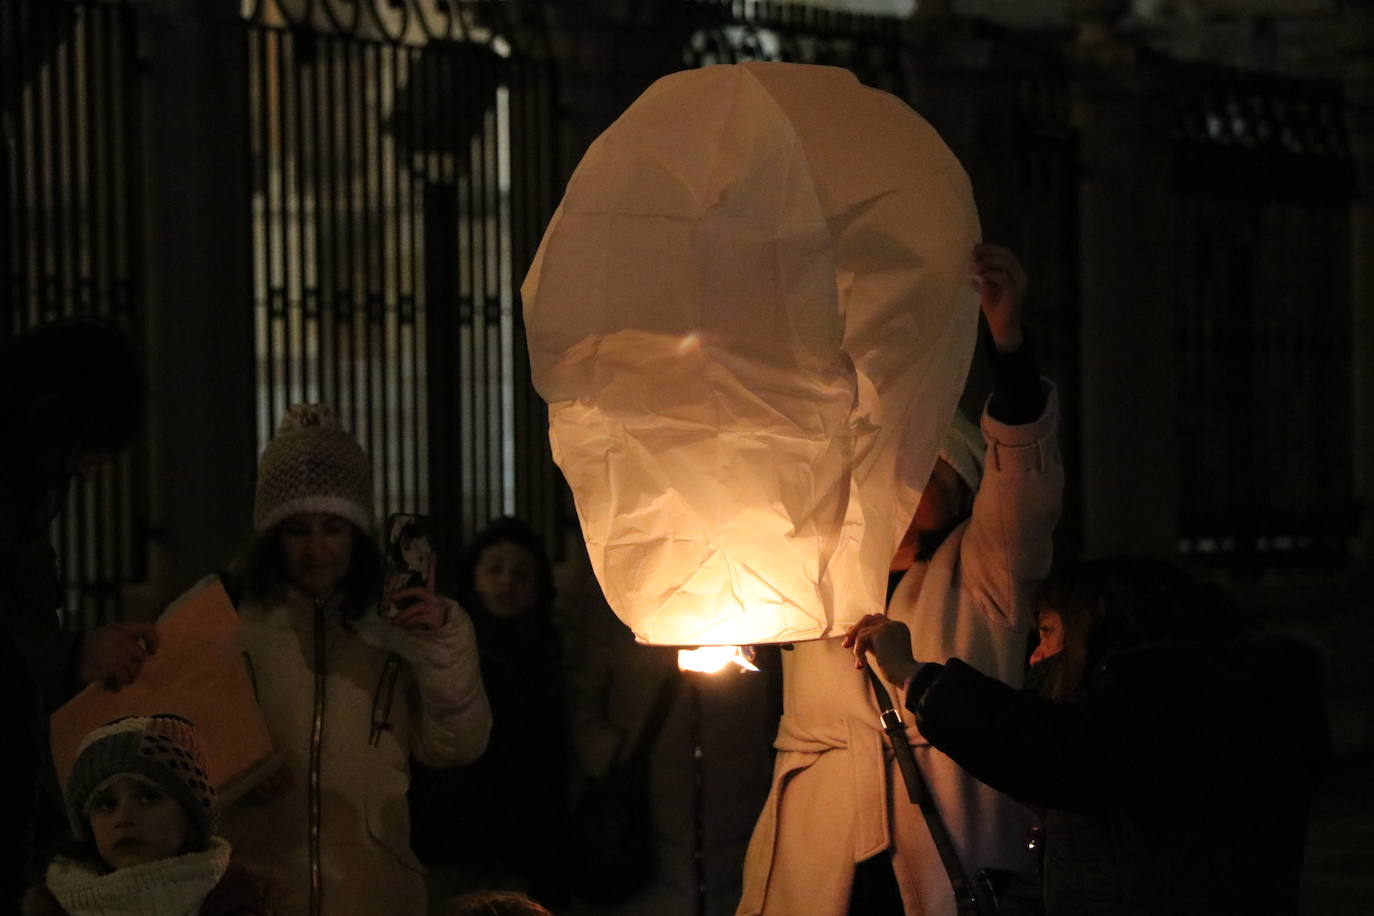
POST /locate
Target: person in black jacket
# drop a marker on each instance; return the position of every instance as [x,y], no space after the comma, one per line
[1173,747]
[500,821]
[71,395]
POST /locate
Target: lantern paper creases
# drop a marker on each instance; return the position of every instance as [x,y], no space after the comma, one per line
[751,316]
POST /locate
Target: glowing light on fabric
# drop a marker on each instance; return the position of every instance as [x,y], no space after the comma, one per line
[751,316]
[711,659]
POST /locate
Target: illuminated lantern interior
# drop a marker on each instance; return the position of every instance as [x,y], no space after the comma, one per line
[751,316]
[710,659]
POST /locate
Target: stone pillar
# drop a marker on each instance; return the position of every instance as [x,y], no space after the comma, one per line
[200,314]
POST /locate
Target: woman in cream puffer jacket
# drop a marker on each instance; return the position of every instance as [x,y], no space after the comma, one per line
[349,695]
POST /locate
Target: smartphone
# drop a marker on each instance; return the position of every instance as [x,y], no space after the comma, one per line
[410,560]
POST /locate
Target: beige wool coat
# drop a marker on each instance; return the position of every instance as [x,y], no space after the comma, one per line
[837,796]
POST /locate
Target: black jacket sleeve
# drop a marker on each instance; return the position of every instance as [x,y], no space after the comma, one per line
[1130,738]
[1018,392]
[1010,739]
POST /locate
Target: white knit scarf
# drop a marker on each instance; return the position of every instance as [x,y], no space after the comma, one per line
[167,887]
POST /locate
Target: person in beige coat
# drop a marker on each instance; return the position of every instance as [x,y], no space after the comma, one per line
[349,697]
[837,833]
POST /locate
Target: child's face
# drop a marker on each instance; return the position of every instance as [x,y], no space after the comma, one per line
[134,822]
[504,578]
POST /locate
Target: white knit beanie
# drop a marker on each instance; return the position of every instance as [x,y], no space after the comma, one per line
[312,465]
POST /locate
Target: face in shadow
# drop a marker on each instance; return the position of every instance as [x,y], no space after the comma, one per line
[134,822]
[317,549]
[944,504]
[504,578]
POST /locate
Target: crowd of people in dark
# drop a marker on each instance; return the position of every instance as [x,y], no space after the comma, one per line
[1103,736]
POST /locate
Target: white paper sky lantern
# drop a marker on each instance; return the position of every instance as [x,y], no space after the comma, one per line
[751,317]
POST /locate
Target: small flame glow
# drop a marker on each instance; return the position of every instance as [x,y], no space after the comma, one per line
[710,659]
[690,343]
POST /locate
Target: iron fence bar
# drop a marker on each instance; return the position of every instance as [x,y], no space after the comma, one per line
[352,266]
[327,214]
[47,203]
[270,92]
[404,325]
[337,226]
[289,277]
[400,437]
[414,189]
[504,291]
[419,370]
[62,267]
[373,278]
[467,294]
[487,315]
[479,188]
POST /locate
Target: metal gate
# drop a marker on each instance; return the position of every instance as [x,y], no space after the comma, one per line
[71,217]
[402,157]
[1263,181]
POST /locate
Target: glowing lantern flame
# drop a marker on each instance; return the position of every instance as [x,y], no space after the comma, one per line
[710,659]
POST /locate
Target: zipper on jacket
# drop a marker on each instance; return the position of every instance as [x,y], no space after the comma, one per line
[316,739]
[382,698]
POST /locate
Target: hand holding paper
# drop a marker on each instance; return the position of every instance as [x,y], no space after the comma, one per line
[116,652]
[197,672]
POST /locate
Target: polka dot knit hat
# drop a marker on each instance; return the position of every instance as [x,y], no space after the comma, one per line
[162,749]
[312,465]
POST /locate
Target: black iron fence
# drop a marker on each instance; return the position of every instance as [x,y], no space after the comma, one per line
[72,163]
[401,164]
[1261,251]
[402,175]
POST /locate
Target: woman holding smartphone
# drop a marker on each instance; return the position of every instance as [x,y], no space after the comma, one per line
[349,696]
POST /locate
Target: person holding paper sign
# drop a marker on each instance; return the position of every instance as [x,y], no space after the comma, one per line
[829,840]
[348,696]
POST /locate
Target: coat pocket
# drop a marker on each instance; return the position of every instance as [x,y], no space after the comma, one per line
[388,826]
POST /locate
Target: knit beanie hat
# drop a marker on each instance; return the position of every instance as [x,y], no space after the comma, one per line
[963,449]
[312,465]
[162,749]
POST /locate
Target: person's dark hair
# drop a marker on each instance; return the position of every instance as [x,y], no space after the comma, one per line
[515,531]
[259,572]
[69,384]
[494,903]
[1119,602]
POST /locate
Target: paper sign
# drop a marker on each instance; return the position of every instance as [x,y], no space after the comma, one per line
[751,316]
[199,672]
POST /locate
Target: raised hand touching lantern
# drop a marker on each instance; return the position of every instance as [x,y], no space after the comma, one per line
[751,317]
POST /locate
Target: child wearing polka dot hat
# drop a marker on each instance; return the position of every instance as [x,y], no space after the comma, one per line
[143,815]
